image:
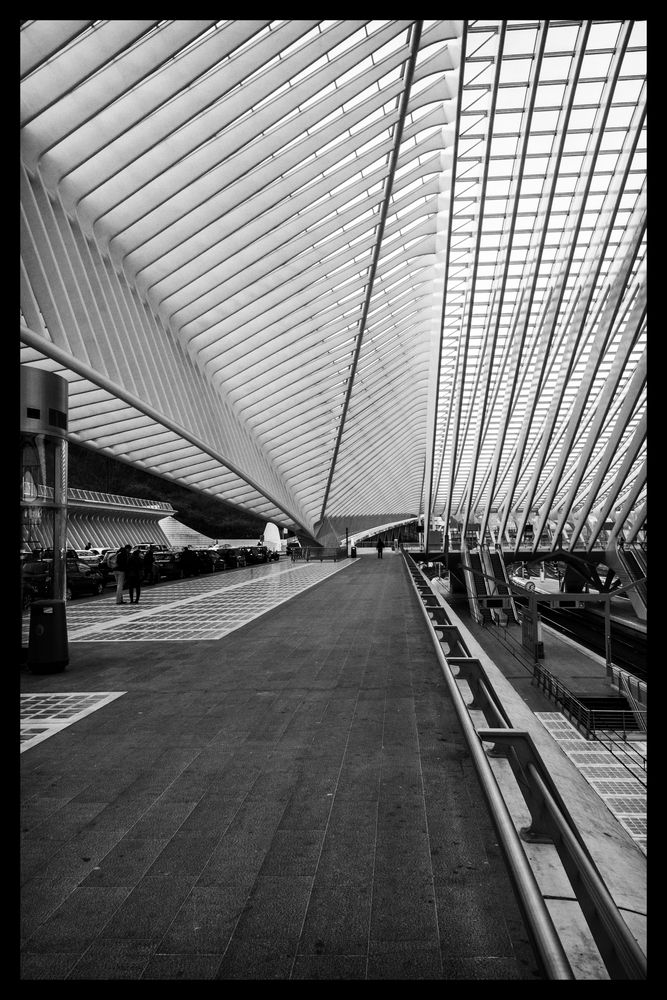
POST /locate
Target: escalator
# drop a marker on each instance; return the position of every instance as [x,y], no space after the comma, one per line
[479,583]
[493,582]
[471,584]
[629,564]
[499,571]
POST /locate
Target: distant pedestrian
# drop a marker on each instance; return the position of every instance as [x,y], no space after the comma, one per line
[148,565]
[133,574]
[379,547]
[118,565]
[189,562]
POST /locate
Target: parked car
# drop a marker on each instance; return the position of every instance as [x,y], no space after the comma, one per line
[92,557]
[35,581]
[81,578]
[255,554]
[232,557]
[168,564]
[98,562]
[209,560]
[273,555]
[145,546]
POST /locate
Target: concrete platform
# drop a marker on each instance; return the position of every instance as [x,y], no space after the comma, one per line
[292,800]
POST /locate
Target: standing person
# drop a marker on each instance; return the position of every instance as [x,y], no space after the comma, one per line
[148,565]
[118,564]
[379,547]
[133,574]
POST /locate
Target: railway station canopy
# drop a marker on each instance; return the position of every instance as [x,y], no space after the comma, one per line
[347,272]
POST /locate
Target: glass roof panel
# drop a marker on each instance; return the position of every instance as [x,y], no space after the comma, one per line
[339,234]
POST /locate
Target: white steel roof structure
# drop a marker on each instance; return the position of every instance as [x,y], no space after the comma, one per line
[345,271]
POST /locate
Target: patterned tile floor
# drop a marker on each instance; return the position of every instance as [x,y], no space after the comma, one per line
[206,607]
[621,787]
[42,715]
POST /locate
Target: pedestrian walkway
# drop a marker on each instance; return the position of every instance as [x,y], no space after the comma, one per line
[293,800]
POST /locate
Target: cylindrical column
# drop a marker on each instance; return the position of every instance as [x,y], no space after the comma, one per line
[43,423]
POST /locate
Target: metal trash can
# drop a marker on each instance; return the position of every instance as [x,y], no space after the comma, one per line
[353,551]
[48,651]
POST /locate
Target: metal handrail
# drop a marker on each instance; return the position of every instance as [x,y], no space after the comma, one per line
[538,919]
[620,951]
[92,496]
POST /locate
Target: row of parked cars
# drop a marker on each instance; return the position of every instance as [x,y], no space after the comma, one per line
[180,563]
[87,571]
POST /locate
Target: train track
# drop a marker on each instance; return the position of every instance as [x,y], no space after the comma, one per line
[628,645]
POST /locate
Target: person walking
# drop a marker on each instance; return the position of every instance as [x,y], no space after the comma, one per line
[379,547]
[119,567]
[133,574]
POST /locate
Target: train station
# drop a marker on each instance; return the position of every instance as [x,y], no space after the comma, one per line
[371,293]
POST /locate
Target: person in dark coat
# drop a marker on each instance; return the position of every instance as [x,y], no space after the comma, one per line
[133,574]
[119,568]
[148,565]
[379,547]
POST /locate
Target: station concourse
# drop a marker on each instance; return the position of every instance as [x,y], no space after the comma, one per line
[339,281]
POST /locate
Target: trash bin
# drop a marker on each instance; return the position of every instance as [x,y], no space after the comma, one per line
[353,551]
[48,652]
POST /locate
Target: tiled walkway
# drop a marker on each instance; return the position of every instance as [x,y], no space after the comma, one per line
[292,800]
[617,772]
[204,607]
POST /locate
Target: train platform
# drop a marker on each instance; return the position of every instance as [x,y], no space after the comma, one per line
[260,774]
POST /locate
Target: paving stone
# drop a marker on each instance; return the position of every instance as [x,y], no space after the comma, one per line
[405,961]
[329,967]
[108,959]
[149,908]
[75,924]
[126,863]
[79,855]
[181,967]
[274,912]
[40,897]
[337,921]
[162,819]
[205,922]
[255,960]
[47,966]
[293,852]
[487,968]
[404,909]
[480,928]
